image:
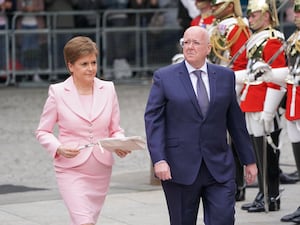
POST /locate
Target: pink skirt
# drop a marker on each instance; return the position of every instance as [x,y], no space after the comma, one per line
[83,189]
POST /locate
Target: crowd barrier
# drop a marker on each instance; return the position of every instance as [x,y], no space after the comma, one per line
[145,46]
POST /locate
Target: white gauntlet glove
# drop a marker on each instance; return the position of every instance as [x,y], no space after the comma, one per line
[266,119]
[272,101]
[259,70]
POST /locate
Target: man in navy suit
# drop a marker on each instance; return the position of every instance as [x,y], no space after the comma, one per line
[188,146]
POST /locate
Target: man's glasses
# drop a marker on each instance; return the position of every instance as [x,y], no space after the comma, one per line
[194,43]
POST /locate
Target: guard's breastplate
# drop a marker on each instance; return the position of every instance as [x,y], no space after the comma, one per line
[220,53]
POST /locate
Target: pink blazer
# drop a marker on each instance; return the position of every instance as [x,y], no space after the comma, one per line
[64,108]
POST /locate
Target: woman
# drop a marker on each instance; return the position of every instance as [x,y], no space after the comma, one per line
[85,110]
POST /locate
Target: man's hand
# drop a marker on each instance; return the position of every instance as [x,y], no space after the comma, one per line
[162,170]
[250,173]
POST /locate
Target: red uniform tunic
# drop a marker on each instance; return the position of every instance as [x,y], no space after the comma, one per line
[255,97]
[231,33]
[293,87]
[202,22]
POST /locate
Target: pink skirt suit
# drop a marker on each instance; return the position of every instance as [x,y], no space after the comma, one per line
[83,181]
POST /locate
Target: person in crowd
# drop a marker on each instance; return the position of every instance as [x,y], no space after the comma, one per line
[30,42]
[260,100]
[5,5]
[228,37]
[293,100]
[86,20]
[117,56]
[136,55]
[60,22]
[143,4]
[85,110]
[188,148]
[205,18]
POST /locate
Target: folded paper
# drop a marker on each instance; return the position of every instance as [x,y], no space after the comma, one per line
[124,143]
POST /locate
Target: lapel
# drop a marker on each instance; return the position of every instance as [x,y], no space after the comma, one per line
[100,98]
[71,99]
[212,77]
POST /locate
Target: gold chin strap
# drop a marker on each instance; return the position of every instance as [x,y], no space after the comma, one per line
[220,43]
[297,22]
[221,9]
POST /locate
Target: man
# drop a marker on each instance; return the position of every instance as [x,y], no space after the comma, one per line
[260,100]
[229,34]
[186,126]
[205,18]
[228,38]
[293,100]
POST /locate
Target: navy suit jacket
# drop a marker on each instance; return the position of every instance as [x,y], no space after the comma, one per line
[179,134]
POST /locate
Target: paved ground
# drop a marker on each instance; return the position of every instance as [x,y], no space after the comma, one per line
[28,192]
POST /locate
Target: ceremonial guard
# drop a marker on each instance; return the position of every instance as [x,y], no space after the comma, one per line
[228,37]
[205,18]
[261,97]
[229,34]
[293,100]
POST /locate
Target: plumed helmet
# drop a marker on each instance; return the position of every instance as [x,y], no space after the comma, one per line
[264,6]
[236,3]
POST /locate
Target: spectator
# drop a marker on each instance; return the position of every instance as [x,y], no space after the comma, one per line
[86,21]
[5,5]
[165,42]
[30,42]
[60,22]
[136,54]
[118,55]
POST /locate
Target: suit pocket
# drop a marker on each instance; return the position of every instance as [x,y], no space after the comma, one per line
[172,142]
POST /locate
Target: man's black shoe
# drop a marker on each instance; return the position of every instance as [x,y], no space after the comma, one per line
[291,216]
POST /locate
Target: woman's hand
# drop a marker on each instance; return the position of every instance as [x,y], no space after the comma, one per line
[122,153]
[67,152]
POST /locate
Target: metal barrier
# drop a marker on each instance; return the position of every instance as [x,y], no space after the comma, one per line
[142,44]
[45,58]
[144,47]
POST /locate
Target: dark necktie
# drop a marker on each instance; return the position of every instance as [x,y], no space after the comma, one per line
[201,93]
